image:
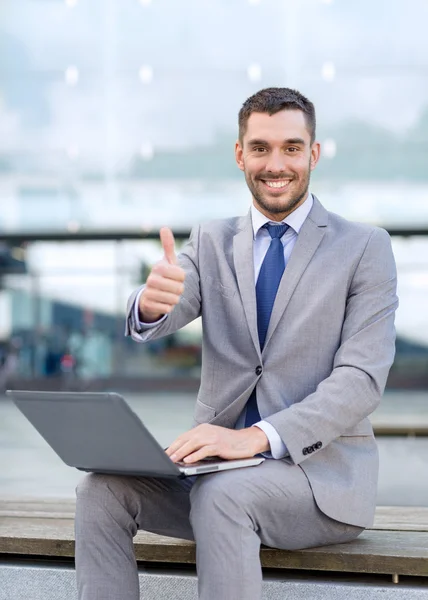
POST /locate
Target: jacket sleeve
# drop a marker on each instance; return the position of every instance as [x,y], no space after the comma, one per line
[361,365]
[189,307]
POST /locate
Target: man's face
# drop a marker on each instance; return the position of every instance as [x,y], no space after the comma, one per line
[277,158]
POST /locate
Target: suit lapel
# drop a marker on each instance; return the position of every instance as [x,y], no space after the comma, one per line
[244,268]
[308,240]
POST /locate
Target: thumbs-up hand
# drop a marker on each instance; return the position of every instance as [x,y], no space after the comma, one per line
[164,285]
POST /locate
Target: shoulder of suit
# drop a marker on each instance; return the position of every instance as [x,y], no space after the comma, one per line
[342,225]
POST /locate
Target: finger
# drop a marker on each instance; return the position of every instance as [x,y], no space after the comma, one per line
[202,453]
[178,443]
[188,442]
[155,308]
[172,448]
[156,295]
[157,282]
[173,272]
[186,449]
[168,245]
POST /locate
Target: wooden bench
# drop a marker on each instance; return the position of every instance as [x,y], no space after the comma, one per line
[396,545]
[393,417]
[411,426]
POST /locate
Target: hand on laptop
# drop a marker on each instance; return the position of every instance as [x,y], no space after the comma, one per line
[212,440]
[164,285]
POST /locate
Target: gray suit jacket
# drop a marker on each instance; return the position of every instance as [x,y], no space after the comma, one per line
[328,350]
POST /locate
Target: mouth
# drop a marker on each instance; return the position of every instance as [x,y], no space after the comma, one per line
[276,185]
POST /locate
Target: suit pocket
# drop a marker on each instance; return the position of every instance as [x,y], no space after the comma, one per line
[217,287]
[203,412]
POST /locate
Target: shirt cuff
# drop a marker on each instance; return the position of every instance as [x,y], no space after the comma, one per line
[141,325]
[277,447]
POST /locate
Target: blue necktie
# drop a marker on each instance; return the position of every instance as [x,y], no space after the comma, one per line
[266,288]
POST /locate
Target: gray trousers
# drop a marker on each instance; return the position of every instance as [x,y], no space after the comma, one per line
[228,514]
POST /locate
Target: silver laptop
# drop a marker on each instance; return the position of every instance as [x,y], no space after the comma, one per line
[100,433]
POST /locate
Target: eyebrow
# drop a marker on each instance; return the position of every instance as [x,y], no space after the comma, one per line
[259,142]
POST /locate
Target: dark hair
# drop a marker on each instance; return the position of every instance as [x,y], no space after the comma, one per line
[271,101]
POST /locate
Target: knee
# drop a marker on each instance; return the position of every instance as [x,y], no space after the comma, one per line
[92,486]
[101,499]
[98,491]
[90,497]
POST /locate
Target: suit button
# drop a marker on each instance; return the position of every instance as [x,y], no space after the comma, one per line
[305,451]
[310,449]
[318,445]
[259,370]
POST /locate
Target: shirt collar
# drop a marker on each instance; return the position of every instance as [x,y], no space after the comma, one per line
[295,219]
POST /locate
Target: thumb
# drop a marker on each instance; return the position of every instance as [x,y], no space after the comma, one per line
[168,245]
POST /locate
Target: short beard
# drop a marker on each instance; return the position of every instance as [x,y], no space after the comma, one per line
[276,209]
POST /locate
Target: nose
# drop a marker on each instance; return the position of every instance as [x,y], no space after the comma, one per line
[276,162]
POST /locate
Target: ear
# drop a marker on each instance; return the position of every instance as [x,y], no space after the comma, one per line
[239,155]
[315,154]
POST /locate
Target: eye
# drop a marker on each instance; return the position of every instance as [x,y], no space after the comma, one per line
[259,149]
[292,149]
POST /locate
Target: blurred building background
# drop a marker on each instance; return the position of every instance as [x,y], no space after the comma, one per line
[120,116]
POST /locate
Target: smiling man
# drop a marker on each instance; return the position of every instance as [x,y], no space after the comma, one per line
[297,307]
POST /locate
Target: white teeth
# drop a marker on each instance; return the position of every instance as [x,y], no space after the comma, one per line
[277,184]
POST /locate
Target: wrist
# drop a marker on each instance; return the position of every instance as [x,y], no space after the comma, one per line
[259,439]
[145,318]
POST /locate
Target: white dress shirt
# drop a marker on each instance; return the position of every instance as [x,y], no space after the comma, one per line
[261,244]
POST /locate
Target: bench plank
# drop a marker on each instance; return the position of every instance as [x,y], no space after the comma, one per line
[382,552]
[34,506]
[386,552]
[401,429]
[44,537]
[393,518]
[393,418]
[401,518]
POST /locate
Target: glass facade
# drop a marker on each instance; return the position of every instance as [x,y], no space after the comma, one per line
[65,316]
[121,116]
[71,302]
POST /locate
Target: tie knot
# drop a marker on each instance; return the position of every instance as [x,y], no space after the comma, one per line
[276,231]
